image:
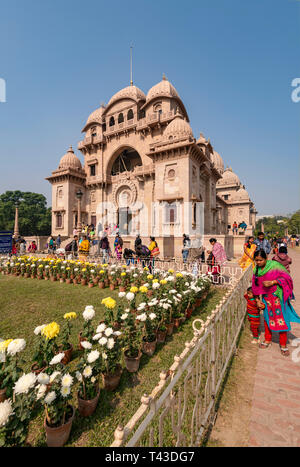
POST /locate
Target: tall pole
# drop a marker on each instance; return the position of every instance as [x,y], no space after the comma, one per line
[79,225]
[16,227]
[131,80]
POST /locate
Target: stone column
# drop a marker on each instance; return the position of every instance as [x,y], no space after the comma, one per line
[16,227]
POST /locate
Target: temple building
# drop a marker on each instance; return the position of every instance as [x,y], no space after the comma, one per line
[145,172]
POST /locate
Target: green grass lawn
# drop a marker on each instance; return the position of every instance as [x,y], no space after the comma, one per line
[27,303]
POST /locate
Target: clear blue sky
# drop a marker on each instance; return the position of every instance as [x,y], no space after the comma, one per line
[232,62]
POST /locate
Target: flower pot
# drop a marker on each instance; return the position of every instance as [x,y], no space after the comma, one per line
[52,278]
[149,347]
[101,285]
[68,281]
[26,274]
[80,340]
[40,277]
[188,312]
[83,281]
[46,278]
[87,407]
[122,288]
[33,276]
[106,282]
[61,280]
[57,436]
[72,276]
[149,293]
[116,326]
[198,302]
[96,280]
[91,285]
[35,368]
[2,395]
[177,322]
[112,286]
[111,381]
[75,282]
[68,354]
[170,328]
[161,336]
[132,363]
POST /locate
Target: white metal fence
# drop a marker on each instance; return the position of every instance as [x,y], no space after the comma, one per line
[180,407]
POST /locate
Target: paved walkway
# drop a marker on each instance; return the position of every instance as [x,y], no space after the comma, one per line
[275,415]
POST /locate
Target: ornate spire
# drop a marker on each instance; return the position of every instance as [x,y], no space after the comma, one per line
[164,77]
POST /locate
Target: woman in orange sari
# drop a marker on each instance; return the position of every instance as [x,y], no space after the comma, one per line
[248,256]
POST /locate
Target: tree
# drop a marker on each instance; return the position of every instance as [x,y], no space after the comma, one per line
[294,223]
[34,216]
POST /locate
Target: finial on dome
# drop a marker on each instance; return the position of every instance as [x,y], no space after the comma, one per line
[102,104]
[70,149]
[164,77]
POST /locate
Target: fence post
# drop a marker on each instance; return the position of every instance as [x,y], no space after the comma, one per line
[213,359]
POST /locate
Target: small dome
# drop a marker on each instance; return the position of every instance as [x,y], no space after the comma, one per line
[162,89]
[202,139]
[96,116]
[70,161]
[217,161]
[229,178]
[178,128]
[240,195]
[131,92]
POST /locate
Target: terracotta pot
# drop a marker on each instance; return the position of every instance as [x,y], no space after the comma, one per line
[75,281]
[68,281]
[116,326]
[101,285]
[68,354]
[40,277]
[149,293]
[198,302]
[112,286]
[188,312]
[46,278]
[149,347]
[161,336]
[57,437]
[132,363]
[118,281]
[87,407]
[2,395]
[33,276]
[91,285]
[111,381]
[83,281]
[52,278]
[106,282]
[96,280]
[36,370]
[80,340]
[61,280]
[122,288]
[72,276]
[26,274]
[170,328]
[177,322]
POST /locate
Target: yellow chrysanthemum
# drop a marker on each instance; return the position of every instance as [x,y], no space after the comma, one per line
[71,315]
[102,272]
[124,266]
[134,289]
[179,274]
[149,276]
[155,280]
[123,273]
[110,303]
[143,289]
[163,281]
[4,344]
[51,330]
[171,271]
[104,265]
[146,269]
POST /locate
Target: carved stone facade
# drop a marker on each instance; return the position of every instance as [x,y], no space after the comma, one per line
[144,171]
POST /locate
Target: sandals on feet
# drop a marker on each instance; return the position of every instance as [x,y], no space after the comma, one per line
[285,351]
[265,345]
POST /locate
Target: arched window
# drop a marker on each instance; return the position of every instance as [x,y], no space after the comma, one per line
[93,131]
[111,121]
[130,114]
[142,114]
[120,118]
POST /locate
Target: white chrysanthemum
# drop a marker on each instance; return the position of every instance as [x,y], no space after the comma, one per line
[124,316]
[142,317]
[104,356]
[54,375]
[51,396]
[134,275]
[43,378]
[141,306]
[78,376]
[127,310]
[86,345]
[166,306]
[93,379]
[57,358]
[172,291]
[16,346]
[117,333]
[101,327]
[155,285]
[108,332]
[103,340]
[152,316]
[67,380]
[88,313]
[65,391]
[24,383]
[93,356]
[87,372]
[38,329]
[5,411]
[130,296]
[41,391]
[110,343]
[122,294]
[96,337]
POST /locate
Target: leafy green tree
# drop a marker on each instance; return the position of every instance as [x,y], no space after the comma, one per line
[294,223]
[34,216]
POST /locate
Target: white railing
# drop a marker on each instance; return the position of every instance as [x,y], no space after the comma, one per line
[180,407]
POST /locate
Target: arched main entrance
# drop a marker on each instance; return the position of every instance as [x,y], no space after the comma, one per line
[126,161]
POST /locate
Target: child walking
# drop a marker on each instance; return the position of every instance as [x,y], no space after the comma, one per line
[253,314]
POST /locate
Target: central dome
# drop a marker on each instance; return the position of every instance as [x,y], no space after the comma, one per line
[131,92]
[162,89]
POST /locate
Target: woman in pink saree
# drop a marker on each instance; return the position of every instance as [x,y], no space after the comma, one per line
[217,257]
[274,284]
